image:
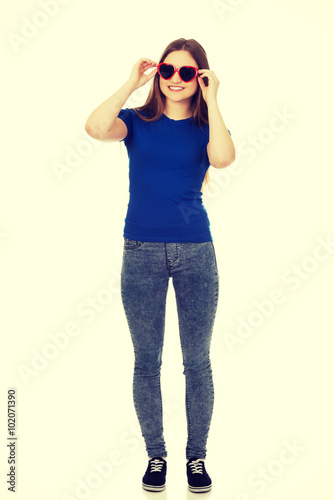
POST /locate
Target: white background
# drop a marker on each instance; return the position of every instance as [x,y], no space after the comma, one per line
[61,242]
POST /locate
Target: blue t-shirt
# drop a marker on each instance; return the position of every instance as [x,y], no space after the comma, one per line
[167,164]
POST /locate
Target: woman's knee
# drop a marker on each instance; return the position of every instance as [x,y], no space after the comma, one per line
[148,363]
[196,364]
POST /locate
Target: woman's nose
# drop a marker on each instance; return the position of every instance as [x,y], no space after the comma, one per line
[176,81]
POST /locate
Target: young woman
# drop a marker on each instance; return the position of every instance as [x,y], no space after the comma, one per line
[171,142]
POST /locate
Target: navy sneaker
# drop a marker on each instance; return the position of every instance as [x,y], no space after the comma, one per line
[199,480]
[155,476]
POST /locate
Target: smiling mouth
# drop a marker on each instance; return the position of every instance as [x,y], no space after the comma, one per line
[173,88]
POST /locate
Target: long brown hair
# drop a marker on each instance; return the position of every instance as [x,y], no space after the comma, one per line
[155,102]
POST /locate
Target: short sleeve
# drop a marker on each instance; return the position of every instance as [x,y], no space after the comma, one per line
[126,116]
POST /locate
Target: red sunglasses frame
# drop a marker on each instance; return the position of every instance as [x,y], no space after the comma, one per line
[177,70]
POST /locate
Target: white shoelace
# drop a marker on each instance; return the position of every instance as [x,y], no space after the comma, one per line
[196,466]
[156,465]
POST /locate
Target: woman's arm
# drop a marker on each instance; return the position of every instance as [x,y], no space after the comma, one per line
[221,151]
[103,123]
[220,148]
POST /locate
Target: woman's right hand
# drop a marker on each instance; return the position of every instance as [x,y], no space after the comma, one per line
[137,77]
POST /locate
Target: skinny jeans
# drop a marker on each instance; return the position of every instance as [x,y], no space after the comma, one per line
[146,270]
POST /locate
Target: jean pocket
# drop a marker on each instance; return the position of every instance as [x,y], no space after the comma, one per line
[132,244]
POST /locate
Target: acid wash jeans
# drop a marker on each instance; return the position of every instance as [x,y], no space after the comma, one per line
[146,269]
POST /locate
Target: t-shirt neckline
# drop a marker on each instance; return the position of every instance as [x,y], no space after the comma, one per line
[182,120]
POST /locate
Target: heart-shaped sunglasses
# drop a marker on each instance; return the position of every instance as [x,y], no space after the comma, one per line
[187,73]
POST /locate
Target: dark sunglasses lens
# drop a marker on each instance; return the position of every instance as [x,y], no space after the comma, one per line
[166,70]
[187,74]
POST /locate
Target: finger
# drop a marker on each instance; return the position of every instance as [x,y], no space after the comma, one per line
[152,63]
[205,75]
[208,73]
[151,75]
[146,67]
[201,82]
[211,78]
[147,63]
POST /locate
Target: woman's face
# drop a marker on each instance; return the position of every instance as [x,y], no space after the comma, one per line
[179,58]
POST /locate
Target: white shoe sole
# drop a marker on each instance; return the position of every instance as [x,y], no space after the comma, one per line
[150,487]
[200,489]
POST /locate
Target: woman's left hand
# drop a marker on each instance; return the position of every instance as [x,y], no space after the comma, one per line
[209,92]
